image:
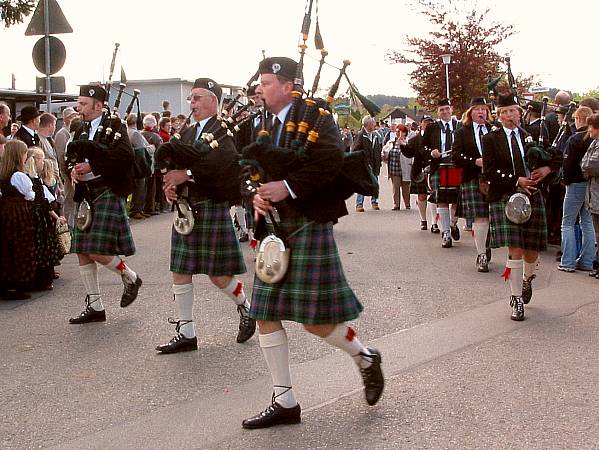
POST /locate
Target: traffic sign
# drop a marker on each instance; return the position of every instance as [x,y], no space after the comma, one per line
[58,55]
[58,22]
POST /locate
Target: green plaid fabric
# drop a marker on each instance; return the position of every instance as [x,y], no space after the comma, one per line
[531,235]
[109,233]
[439,195]
[419,188]
[472,201]
[212,247]
[314,290]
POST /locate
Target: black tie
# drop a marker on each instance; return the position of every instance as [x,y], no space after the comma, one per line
[517,157]
[481,134]
[276,130]
[447,140]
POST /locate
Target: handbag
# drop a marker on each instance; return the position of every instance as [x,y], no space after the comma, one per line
[63,233]
[272,260]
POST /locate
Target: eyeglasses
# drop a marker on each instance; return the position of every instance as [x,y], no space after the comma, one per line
[197,97]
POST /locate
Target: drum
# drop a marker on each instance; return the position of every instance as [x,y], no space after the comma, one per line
[451,176]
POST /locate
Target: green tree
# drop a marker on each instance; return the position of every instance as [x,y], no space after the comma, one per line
[15,11]
[471,39]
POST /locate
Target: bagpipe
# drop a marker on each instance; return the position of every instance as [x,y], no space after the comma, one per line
[264,161]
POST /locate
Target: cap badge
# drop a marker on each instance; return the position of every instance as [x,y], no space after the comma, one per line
[210,85]
[92,92]
[276,67]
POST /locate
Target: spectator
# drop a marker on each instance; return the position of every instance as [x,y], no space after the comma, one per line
[30,119]
[164,129]
[61,139]
[155,200]
[3,142]
[4,119]
[166,106]
[46,130]
[13,130]
[367,140]
[590,169]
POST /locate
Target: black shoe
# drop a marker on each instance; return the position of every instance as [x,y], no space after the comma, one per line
[482,265]
[517,308]
[12,294]
[130,292]
[527,289]
[372,377]
[455,232]
[247,325]
[435,229]
[179,343]
[423,225]
[446,243]
[89,314]
[275,414]
[244,237]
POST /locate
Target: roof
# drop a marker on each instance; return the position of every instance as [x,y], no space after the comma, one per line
[33,96]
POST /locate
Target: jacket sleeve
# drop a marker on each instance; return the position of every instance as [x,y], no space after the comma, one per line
[492,167]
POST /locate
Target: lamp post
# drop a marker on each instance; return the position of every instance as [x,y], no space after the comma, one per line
[446,60]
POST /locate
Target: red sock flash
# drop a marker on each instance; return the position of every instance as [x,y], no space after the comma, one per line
[351,333]
[121,266]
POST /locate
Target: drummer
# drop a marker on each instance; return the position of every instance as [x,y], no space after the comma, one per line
[438,138]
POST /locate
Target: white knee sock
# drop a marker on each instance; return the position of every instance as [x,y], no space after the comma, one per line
[432,208]
[529,268]
[89,275]
[235,292]
[422,209]
[117,265]
[344,337]
[240,214]
[275,349]
[444,216]
[514,276]
[184,299]
[480,230]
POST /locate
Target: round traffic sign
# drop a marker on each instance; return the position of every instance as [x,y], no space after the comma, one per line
[58,55]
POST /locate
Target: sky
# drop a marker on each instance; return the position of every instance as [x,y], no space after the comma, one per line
[224,41]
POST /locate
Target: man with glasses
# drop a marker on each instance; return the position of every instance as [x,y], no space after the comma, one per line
[212,247]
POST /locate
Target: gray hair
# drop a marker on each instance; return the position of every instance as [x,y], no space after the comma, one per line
[150,121]
[367,119]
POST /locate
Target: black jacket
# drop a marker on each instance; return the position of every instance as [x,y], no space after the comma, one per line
[372,149]
[415,149]
[114,164]
[432,140]
[23,135]
[575,148]
[464,151]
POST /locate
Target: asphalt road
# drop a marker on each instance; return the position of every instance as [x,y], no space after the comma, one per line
[460,373]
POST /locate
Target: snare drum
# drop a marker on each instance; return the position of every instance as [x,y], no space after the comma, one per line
[451,176]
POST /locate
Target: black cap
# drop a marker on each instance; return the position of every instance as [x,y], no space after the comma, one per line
[534,106]
[28,113]
[506,100]
[93,91]
[443,102]
[478,101]
[279,65]
[210,85]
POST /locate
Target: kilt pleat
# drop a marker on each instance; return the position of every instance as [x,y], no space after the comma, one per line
[212,247]
[531,235]
[314,290]
[419,188]
[439,195]
[473,202]
[109,233]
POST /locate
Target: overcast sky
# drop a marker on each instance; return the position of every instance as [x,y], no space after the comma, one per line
[224,40]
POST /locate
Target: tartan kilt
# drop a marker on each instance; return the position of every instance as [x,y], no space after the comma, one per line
[472,201]
[212,247]
[442,195]
[419,188]
[109,233]
[531,235]
[314,290]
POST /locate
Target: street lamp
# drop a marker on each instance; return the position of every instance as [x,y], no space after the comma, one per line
[446,60]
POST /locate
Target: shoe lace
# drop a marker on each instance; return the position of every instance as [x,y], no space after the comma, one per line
[244,317]
[368,373]
[517,304]
[179,323]
[527,282]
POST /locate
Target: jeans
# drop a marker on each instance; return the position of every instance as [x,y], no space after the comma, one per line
[573,208]
[360,200]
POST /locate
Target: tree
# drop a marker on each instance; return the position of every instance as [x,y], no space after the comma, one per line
[15,11]
[464,33]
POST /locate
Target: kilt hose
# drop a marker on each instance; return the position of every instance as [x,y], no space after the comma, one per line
[109,233]
[314,290]
[531,235]
[212,247]
[472,201]
[419,188]
[439,195]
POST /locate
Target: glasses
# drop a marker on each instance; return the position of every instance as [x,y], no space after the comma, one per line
[197,97]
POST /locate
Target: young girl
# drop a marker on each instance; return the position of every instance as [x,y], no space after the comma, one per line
[17,260]
[47,249]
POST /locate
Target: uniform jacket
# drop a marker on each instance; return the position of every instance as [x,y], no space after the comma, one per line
[415,149]
[464,151]
[432,140]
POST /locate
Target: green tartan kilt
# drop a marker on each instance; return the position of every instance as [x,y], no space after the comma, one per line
[472,201]
[439,195]
[314,290]
[212,247]
[531,235]
[109,233]
[419,188]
